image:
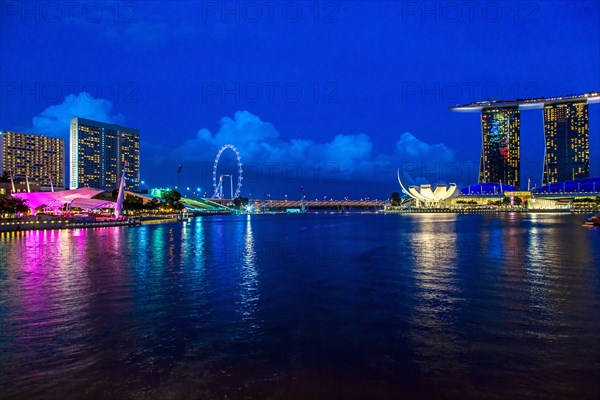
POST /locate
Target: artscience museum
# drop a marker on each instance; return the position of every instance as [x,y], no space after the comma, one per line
[430,195]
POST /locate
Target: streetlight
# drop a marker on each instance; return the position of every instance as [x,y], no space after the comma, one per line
[286,198]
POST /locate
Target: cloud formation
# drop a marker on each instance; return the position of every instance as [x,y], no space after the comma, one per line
[343,159]
[346,157]
[54,120]
[409,148]
[420,162]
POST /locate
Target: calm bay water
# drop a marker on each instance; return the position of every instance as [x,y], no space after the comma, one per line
[304,307]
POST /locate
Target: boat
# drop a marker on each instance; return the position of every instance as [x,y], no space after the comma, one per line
[594,220]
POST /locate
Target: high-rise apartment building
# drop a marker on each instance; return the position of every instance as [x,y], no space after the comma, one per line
[100,152]
[37,158]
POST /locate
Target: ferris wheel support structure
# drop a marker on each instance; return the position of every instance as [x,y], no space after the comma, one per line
[218,184]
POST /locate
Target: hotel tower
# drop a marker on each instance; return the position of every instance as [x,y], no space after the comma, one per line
[100,153]
[37,158]
[566,132]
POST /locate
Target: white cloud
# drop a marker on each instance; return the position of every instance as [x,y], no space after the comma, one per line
[351,156]
[421,162]
[54,120]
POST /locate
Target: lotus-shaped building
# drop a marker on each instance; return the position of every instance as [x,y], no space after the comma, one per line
[430,195]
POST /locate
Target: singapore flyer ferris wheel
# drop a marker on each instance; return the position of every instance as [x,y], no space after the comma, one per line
[219,177]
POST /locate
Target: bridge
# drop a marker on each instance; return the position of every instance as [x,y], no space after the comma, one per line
[204,205]
[321,204]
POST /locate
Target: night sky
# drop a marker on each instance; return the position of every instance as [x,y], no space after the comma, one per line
[329,96]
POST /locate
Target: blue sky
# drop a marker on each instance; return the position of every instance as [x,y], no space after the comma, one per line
[329,96]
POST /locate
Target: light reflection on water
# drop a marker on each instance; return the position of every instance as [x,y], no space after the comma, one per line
[310,306]
[434,335]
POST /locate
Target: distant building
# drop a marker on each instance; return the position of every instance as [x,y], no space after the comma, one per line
[100,151]
[501,152]
[37,158]
[567,142]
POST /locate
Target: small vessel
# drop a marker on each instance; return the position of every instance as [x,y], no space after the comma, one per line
[594,220]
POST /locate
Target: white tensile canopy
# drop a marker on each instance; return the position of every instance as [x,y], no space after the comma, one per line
[79,198]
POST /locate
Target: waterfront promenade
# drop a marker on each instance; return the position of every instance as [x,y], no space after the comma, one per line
[35,225]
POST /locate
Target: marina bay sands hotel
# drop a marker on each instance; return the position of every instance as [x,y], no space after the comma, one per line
[566,130]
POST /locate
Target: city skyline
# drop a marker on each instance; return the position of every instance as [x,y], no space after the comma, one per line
[314,91]
[499,160]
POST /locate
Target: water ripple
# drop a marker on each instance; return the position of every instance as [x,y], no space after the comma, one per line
[310,306]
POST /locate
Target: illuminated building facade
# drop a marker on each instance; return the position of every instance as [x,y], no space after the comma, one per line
[567,142]
[428,195]
[566,130]
[100,152]
[501,150]
[37,158]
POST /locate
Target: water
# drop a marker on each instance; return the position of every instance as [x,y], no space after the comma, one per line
[304,307]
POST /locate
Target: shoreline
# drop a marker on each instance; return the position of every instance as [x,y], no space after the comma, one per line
[21,226]
[485,211]
[42,225]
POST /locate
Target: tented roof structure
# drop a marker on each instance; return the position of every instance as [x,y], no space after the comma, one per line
[79,198]
[590,185]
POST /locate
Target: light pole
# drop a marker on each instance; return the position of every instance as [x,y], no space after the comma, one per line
[178,175]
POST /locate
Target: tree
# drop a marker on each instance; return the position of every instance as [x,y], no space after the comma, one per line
[153,204]
[132,203]
[240,201]
[172,198]
[16,205]
[395,198]
[5,205]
